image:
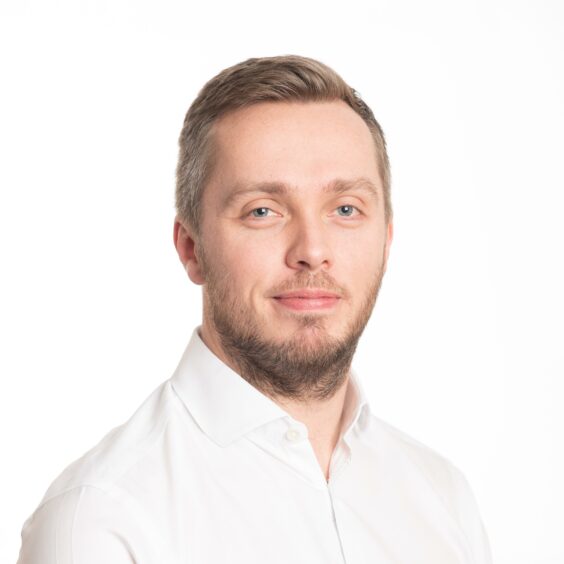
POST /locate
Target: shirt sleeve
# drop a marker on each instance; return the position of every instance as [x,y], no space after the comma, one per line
[81,526]
[470,520]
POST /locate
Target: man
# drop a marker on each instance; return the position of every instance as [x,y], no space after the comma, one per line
[262,447]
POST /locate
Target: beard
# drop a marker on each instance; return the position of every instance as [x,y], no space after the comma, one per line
[308,365]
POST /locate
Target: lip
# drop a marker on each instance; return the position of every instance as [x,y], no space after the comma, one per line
[307,294]
[309,299]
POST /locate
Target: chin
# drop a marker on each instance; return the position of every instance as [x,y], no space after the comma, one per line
[314,330]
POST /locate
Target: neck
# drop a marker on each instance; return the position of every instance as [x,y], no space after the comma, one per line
[324,420]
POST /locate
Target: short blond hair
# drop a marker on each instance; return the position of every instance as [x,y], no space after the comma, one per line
[275,79]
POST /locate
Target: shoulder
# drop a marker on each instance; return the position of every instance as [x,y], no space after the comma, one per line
[119,450]
[90,500]
[424,468]
[415,461]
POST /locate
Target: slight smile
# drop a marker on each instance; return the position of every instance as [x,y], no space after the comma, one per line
[308,299]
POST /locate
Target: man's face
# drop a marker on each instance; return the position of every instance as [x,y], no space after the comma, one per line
[293,240]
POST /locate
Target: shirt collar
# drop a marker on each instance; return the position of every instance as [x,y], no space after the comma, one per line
[226,407]
[357,408]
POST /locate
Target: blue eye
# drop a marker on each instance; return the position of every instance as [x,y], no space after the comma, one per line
[260,212]
[345,211]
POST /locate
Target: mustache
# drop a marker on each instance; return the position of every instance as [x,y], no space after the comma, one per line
[304,279]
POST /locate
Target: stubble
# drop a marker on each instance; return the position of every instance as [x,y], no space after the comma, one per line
[298,368]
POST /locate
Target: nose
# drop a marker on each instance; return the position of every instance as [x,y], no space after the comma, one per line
[309,248]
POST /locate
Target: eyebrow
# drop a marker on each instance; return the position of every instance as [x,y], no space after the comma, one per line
[337,186]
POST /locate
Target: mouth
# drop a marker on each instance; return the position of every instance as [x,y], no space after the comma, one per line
[308,299]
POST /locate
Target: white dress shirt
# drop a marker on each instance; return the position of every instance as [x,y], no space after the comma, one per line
[209,470]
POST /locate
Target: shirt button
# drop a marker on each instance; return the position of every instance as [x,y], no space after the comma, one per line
[293,435]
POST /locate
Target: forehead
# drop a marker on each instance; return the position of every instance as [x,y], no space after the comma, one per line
[305,145]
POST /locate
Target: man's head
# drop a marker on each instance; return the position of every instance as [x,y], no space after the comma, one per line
[284,217]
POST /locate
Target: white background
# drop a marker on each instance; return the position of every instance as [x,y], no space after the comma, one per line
[465,348]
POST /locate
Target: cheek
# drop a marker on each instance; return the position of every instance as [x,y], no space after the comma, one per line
[248,266]
[358,265]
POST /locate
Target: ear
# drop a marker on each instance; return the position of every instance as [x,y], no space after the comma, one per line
[388,243]
[185,243]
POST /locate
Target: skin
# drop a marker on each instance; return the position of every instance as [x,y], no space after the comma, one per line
[301,258]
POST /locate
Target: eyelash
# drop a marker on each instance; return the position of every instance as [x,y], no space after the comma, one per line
[251,213]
